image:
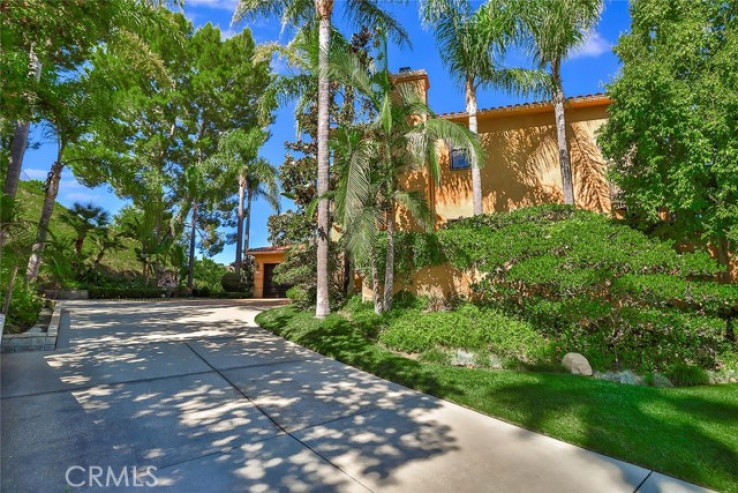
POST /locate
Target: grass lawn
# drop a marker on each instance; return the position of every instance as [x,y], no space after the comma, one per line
[690,433]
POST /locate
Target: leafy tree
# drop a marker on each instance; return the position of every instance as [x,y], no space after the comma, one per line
[54,37]
[551,30]
[470,45]
[673,133]
[296,12]
[403,135]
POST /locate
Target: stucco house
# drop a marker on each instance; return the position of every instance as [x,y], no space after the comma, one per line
[522,169]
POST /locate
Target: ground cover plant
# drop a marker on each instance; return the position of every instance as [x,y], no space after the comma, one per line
[596,286]
[690,433]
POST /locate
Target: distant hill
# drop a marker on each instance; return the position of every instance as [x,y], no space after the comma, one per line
[30,196]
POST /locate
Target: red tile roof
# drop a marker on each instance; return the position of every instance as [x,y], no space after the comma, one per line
[576,100]
[266,249]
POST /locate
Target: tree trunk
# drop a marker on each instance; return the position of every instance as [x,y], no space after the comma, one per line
[389,269]
[247,227]
[471,110]
[567,182]
[191,266]
[239,227]
[722,252]
[9,294]
[20,138]
[376,298]
[52,190]
[323,303]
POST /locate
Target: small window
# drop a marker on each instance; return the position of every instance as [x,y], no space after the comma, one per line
[459,161]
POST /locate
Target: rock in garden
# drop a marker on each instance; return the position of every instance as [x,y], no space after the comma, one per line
[577,364]
[462,358]
[660,380]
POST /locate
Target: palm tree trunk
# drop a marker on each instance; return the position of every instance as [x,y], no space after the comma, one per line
[376,298]
[471,110]
[52,190]
[247,228]
[389,268]
[239,228]
[325,11]
[20,138]
[9,294]
[191,266]
[567,182]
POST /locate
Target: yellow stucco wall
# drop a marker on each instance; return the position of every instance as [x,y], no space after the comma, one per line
[521,170]
[260,260]
[522,165]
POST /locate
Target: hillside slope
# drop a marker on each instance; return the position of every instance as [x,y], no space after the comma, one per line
[31,198]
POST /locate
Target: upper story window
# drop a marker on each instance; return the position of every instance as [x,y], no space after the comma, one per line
[459,161]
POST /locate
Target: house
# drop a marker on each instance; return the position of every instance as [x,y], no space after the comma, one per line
[522,170]
[265,260]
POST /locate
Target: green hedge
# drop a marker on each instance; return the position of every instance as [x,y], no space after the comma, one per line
[105,293]
[596,286]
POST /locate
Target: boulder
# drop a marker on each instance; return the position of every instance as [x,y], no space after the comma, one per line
[577,364]
[463,358]
[660,380]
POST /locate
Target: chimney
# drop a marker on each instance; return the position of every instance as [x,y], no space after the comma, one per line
[417,78]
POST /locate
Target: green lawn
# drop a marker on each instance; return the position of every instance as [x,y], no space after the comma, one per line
[690,433]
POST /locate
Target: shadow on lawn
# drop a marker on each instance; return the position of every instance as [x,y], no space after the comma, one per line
[686,433]
[338,338]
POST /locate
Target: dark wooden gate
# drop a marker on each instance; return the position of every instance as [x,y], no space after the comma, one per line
[271,288]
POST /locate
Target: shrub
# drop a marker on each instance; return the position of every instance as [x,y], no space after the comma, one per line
[232,283]
[24,310]
[468,327]
[299,296]
[596,286]
[105,293]
[688,376]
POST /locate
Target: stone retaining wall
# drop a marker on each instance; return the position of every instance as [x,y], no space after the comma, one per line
[34,339]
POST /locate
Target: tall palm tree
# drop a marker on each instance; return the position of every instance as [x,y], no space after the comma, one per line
[402,135]
[470,45]
[551,30]
[296,12]
[237,157]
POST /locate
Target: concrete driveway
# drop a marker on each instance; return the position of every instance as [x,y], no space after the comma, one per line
[193,396]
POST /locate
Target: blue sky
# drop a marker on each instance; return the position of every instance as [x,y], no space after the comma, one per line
[584,73]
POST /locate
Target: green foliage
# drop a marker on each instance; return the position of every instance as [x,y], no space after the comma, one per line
[25,306]
[595,286]
[467,327]
[300,296]
[688,376]
[233,283]
[672,132]
[208,274]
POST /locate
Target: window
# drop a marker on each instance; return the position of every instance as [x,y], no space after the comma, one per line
[459,161]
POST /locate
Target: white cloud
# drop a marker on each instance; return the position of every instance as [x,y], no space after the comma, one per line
[594,45]
[213,4]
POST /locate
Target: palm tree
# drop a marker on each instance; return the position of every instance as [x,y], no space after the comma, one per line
[237,157]
[84,219]
[470,45]
[296,12]
[402,135]
[551,30]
